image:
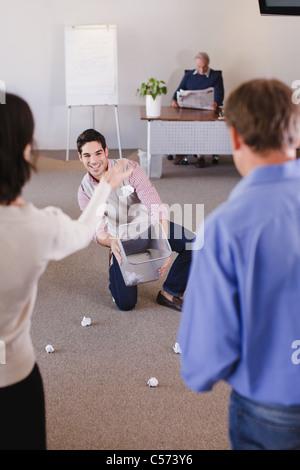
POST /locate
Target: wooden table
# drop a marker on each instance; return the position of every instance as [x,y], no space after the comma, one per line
[185,131]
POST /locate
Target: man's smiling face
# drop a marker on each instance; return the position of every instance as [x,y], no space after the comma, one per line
[94,159]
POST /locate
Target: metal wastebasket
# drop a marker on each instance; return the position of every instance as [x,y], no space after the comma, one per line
[144,249]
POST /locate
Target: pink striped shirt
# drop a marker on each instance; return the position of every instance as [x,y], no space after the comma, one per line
[144,189]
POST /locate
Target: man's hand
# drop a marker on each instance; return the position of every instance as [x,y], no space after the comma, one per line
[105,239]
[116,250]
[174,103]
[161,271]
[214,106]
[165,226]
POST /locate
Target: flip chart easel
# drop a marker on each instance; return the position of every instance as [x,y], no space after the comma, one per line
[91,70]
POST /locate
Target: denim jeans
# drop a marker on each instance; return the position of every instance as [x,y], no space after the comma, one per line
[180,240]
[262,426]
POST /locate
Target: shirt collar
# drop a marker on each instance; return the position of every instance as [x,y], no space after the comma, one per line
[267,174]
[206,74]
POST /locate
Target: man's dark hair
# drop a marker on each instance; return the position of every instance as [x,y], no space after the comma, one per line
[90,135]
[16,131]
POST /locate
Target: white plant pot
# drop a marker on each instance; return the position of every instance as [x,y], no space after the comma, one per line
[153,107]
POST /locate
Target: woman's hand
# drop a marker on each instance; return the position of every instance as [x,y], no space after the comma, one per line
[116,175]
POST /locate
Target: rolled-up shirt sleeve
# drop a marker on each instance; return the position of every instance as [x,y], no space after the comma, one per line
[83,199]
[147,192]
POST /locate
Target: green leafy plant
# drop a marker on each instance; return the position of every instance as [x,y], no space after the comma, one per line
[152,87]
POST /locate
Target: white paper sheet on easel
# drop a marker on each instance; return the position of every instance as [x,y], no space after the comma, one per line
[91,65]
[199,99]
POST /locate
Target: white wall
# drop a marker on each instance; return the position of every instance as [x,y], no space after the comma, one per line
[157,38]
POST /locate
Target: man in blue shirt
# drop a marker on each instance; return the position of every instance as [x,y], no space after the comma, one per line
[201,78]
[241,319]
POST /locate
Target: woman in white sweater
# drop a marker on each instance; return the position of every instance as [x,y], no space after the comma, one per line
[30,238]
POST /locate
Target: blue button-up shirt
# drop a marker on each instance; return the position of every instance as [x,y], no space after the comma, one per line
[241,314]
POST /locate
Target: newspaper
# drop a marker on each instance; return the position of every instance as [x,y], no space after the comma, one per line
[200,99]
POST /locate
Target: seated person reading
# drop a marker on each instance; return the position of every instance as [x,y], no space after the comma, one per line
[201,78]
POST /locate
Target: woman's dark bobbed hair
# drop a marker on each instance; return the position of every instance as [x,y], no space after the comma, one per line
[16,131]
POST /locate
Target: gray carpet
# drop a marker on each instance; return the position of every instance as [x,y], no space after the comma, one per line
[96,380]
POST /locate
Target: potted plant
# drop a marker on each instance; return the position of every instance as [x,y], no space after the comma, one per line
[152,90]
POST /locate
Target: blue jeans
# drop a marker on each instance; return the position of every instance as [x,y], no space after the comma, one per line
[175,284]
[262,426]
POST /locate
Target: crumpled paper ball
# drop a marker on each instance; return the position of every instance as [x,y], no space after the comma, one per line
[153,382]
[132,278]
[49,348]
[86,321]
[127,190]
[176,348]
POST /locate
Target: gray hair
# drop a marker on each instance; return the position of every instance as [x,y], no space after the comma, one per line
[202,56]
